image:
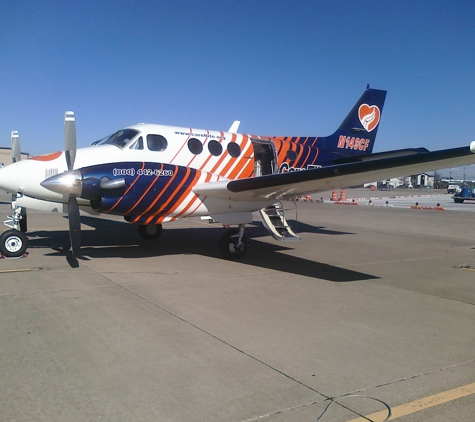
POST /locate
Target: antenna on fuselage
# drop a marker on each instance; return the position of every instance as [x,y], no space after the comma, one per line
[234,127]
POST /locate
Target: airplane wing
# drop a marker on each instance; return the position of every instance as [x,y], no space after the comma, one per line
[289,185]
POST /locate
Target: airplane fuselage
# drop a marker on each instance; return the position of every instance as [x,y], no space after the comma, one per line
[161,166]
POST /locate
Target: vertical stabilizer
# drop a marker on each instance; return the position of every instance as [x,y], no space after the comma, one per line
[357,133]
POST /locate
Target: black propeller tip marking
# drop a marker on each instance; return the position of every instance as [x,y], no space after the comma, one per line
[74,226]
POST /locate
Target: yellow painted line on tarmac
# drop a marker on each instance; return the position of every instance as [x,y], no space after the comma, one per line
[20,270]
[421,404]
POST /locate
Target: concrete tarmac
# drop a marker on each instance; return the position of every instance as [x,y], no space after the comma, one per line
[373,301]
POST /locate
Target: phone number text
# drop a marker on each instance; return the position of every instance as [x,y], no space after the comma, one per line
[142,172]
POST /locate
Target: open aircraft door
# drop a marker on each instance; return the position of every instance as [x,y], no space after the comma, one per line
[265,158]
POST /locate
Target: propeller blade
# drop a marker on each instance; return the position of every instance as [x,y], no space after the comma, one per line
[16,153]
[74,226]
[70,138]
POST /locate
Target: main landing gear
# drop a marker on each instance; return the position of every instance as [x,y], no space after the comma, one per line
[233,243]
[150,231]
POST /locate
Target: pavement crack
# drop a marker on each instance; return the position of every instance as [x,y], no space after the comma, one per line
[221,340]
[411,377]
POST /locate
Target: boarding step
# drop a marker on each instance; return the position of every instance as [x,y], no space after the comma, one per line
[274,221]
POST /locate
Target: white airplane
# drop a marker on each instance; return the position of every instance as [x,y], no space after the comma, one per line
[152,174]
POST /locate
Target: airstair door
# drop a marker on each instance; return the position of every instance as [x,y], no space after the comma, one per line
[265,158]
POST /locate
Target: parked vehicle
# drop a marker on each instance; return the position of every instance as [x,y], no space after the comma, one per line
[453,189]
[464,194]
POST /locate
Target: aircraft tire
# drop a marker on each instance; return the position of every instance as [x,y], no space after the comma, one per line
[458,201]
[150,231]
[13,243]
[228,244]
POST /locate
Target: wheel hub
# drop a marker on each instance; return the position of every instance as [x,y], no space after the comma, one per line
[13,244]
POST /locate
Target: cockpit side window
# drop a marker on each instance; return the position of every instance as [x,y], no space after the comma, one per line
[138,144]
[119,139]
[156,143]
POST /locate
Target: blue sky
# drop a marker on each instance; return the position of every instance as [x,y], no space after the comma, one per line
[281,67]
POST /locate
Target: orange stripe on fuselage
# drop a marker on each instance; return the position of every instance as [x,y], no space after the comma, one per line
[46,157]
[160,194]
[222,158]
[126,192]
[177,202]
[299,154]
[195,155]
[193,200]
[314,142]
[147,191]
[241,163]
[186,140]
[246,169]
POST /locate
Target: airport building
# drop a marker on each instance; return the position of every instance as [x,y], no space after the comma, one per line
[6,156]
[422,180]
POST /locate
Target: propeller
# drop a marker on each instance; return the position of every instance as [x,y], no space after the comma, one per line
[72,184]
[70,138]
[73,207]
[16,154]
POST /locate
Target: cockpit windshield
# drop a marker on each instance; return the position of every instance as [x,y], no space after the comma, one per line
[119,139]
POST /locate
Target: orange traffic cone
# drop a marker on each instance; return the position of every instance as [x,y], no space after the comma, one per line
[334,196]
[343,195]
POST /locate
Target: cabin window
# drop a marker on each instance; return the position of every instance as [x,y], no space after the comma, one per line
[215,148]
[291,155]
[138,144]
[234,149]
[156,143]
[195,146]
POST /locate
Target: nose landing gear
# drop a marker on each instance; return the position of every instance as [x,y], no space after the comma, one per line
[13,243]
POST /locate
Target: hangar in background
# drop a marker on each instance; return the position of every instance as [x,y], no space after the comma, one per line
[6,156]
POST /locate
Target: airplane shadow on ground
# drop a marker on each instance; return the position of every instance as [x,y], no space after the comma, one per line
[116,239]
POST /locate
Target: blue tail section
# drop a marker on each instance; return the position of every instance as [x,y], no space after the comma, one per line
[357,133]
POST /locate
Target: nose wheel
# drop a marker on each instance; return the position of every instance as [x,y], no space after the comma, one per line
[233,243]
[13,244]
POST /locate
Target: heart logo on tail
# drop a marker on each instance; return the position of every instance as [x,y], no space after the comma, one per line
[369,116]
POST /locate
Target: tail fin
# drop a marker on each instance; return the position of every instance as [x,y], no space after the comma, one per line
[357,133]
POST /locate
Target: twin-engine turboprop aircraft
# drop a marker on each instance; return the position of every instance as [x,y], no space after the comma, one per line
[152,174]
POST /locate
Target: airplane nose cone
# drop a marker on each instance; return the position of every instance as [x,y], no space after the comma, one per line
[9,176]
[68,183]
